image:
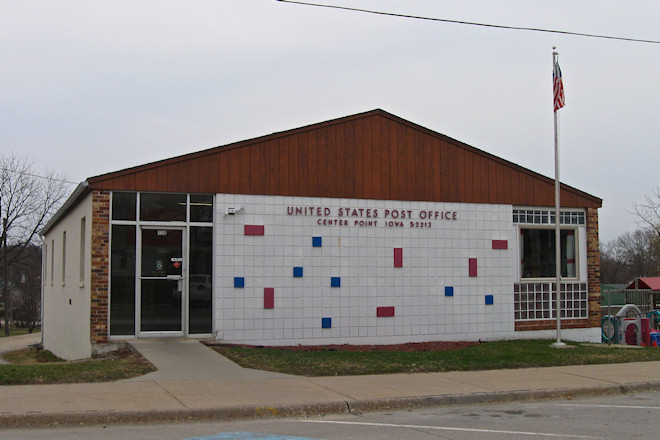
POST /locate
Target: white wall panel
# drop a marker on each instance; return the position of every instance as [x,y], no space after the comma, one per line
[66,306]
[362,257]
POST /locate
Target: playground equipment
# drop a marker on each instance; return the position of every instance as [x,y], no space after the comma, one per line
[630,326]
[654,318]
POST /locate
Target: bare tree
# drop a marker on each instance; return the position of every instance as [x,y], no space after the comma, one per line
[648,212]
[612,269]
[27,201]
[648,216]
[637,251]
[25,278]
[630,255]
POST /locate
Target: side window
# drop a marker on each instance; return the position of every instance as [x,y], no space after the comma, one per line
[82,249]
[45,262]
[63,257]
[537,253]
[52,260]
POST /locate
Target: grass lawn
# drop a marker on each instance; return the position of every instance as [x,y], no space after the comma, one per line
[486,356]
[42,367]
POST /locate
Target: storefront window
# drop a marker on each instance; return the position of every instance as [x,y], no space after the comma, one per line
[200,287]
[156,282]
[537,253]
[201,208]
[123,205]
[162,207]
[122,280]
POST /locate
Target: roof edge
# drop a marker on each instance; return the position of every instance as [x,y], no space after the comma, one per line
[78,194]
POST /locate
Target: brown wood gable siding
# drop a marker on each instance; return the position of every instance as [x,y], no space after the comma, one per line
[370,156]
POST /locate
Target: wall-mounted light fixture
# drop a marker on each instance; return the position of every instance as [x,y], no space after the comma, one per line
[232,211]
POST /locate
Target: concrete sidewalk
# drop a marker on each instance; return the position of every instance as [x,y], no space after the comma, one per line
[17,342]
[221,389]
[188,359]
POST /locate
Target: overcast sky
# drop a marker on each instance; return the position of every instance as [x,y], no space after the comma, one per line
[90,87]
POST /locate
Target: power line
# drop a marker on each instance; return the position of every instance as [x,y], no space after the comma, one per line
[471,23]
[38,176]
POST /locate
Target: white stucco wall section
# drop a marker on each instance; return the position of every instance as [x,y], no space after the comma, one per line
[66,307]
[435,256]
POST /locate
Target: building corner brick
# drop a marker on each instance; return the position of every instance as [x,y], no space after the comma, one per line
[99,310]
[593,267]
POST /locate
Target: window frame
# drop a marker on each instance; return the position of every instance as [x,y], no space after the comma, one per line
[185,225]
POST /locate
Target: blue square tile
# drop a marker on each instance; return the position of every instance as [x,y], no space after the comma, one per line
[326,322]
[317,241]
[298,272]
[335,282]
[449,290]
[239,282]
[489,299]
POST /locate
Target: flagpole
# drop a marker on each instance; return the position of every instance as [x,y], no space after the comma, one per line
[559,342]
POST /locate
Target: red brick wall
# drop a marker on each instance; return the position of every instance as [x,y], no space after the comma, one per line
[593,267]
[99,266]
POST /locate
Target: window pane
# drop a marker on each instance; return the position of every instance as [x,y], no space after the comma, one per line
[200,289]
[160,305]
[163,207]
[162,252]
[123,205]
[201,208]
[538,253]
[122,281]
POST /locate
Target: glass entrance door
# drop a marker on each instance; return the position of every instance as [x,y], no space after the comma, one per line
[161,281]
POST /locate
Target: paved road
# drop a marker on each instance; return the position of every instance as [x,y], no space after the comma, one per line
[606,417]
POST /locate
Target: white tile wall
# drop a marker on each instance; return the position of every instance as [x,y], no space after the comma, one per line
[363,257]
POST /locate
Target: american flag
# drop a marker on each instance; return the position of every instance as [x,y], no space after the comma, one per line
[558,87]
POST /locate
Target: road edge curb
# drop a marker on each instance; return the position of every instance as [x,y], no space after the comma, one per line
[35,420]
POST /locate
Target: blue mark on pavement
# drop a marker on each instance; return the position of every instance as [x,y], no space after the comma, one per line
[248,436]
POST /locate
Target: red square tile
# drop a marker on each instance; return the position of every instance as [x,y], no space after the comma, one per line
[382,312]
[500,244]
[269,298]
[253,230]
[398,257]
[473,267]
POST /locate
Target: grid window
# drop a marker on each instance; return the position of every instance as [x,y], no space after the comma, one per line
[547,217]
[536,301]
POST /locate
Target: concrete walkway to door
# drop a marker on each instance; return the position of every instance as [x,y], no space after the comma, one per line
[189,359]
